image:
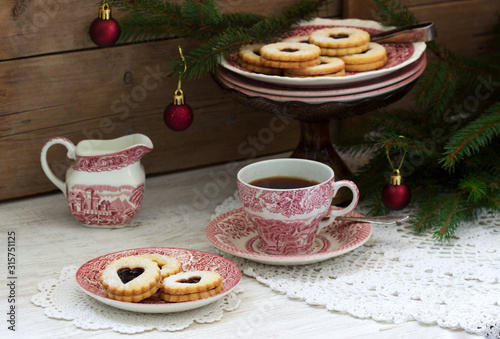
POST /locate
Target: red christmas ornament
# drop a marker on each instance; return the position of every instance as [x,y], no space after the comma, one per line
[178,116]
[396,195]
[104,30]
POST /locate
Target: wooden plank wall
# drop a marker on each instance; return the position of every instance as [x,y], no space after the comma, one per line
[464,26]
[55,82]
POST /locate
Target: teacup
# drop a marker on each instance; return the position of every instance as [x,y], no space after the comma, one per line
[288,219]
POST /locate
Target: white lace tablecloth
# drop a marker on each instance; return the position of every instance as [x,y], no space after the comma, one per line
[63,299]
[398,276]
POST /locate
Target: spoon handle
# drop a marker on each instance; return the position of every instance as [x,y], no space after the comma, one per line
[412,33]
[386,219]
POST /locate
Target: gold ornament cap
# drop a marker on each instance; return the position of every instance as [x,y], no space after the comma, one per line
[395,178]
[179,97]
[104,12]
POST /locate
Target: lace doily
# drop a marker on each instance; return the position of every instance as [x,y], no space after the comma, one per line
[398,276]
[63,299]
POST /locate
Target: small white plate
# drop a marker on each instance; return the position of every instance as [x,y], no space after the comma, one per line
[322,99]
[89,273]
[234,233]
[398,56]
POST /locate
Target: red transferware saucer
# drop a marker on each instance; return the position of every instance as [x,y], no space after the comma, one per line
[89,273]
[234,233]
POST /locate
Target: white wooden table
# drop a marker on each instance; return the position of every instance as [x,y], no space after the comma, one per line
[48,239]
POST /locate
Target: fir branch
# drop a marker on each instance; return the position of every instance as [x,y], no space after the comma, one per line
[472,137]
[393,12]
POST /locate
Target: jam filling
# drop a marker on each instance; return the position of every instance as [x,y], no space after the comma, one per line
[339,36]
[127,274]
[289,50]
[191,280]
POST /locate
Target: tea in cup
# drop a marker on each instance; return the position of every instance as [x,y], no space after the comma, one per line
[287,199]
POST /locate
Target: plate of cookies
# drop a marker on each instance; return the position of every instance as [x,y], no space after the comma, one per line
[316,97]
[323,52]
[158,279]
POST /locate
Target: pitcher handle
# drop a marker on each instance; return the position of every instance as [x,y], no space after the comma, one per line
[336,213]
[45,166]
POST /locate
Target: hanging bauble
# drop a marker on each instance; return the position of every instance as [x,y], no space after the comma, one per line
[178,115]
[396,195]
[104,30]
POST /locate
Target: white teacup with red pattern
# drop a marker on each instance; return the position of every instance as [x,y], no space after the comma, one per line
[288,219]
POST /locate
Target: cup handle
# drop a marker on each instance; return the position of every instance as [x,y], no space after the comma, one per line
[45,166]
[354,202]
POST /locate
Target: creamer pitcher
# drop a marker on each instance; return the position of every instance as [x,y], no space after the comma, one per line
[104,186]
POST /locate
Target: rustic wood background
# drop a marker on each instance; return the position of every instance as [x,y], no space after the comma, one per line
[55,82]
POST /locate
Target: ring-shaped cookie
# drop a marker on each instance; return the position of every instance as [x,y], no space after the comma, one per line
[344,51]
[290,51]
[298,38]
[259,69]
[190,282]
[168,265]
[250,54]
[191,296]
[339,37]
[375,52]
[144,282]
[365,67]
[340,73]
[133,298]
[290,64]
[328,65]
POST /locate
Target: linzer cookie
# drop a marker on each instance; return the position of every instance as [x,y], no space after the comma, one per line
[249,58]
[290,55]
[132,278]
[339,37]
[168,265]
[190,285]
[328,67]
[375,57]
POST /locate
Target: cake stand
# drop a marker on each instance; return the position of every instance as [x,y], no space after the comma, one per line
[315,119]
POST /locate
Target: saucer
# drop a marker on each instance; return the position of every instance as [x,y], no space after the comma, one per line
[234,233]
[88,275]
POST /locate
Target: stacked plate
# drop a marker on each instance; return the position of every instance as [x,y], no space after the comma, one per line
[405,63]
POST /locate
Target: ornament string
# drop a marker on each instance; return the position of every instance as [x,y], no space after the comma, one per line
[396,170]
[184,71]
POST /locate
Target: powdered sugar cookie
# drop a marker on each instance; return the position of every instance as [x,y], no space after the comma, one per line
[339,37]
[191,296]
[343,51]
[290,51]
[290,64]
[365,67]
[130,276]
[328,65]
[299,38]
[260,69]
[168,265]
[190,282]
[375,52]
[340,73]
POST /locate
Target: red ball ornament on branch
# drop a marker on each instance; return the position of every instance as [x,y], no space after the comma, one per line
[396,195]
[178,116]
[104,31]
